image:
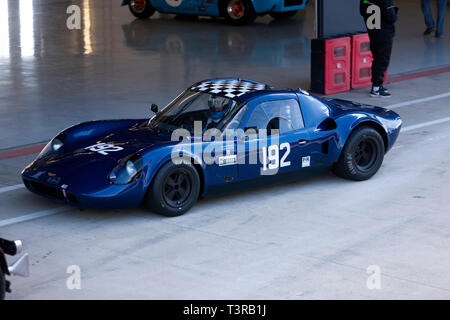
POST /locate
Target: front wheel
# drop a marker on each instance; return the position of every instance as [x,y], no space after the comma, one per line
[141,9]
[283,15]
[239,12]
[362,155]
[174,190]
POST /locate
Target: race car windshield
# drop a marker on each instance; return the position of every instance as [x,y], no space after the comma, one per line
[212,110]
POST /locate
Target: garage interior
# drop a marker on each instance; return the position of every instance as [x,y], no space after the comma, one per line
[308,239]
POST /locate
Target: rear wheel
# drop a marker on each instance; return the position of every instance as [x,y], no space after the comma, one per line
[362,155]
[141,9]
[283,15]
[174,190]
[239,12]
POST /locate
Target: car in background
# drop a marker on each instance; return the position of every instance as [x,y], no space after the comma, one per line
[283,45]
[236,12]
[19,268]
[125,163]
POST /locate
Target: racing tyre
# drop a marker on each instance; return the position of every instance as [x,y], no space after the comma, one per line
[141,9]
[283,15]
[238,12]
[2,285]
[362,155]
[174,190]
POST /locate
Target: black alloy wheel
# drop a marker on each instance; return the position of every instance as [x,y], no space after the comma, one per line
[174,189]
[177,188]
[362,155]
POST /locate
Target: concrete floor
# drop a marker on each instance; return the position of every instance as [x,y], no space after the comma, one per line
[274,242]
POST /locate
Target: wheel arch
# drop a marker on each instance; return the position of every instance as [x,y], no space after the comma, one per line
[221,5]
[374,125]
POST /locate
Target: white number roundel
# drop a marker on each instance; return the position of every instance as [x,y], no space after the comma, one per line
[174,3]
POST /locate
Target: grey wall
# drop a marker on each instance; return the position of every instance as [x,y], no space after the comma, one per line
[336,17]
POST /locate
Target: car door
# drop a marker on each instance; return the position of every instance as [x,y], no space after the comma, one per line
[209,7]
[284,147]
[176,6]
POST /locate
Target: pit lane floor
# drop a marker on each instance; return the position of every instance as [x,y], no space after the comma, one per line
[309,239]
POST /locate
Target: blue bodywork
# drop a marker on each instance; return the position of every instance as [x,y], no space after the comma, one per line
[78,176]
[211,7]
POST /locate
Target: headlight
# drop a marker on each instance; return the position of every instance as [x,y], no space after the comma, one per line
[52,146]
[126,171]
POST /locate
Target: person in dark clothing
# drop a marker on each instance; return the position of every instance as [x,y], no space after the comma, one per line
[429,21]
[381,30]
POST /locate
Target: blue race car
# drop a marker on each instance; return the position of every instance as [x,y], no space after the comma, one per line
[236,12]
[217,132]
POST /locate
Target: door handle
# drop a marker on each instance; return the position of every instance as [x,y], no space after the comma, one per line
[302,142]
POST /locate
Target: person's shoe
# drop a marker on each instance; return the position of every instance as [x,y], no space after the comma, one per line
[428,31]
[380,92]
[438,35]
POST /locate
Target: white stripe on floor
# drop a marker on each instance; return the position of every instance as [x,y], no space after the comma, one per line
[11,188]
[425,124]
[32,216]
[417,101]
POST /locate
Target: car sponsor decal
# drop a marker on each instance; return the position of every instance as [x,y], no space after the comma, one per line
[174,3]
[306,161]
[227,160]
[103,148]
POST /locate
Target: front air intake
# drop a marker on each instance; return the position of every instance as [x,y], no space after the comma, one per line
[47,190]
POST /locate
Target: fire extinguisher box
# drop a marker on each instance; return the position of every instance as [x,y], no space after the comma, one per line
[362,61]
[330,65]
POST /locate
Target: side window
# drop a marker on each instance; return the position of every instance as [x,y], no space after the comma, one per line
[316,110]
[282,115]
[258,119]
[237,119]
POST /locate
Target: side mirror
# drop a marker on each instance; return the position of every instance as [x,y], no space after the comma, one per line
[154,108]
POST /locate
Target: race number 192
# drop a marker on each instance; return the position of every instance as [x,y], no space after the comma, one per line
[271,156]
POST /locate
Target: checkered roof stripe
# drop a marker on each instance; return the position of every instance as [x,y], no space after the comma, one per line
[228,88]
